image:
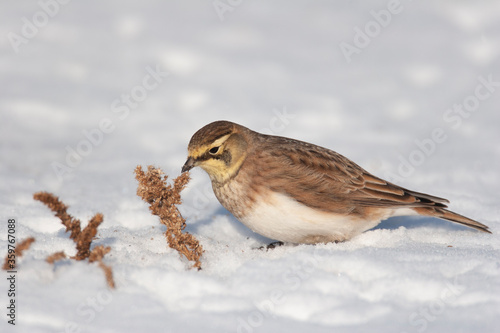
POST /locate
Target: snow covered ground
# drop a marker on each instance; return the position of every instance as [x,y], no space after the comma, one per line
[409,90]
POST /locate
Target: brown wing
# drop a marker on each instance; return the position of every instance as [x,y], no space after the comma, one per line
[329,181]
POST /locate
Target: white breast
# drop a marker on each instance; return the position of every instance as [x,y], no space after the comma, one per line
[280,217]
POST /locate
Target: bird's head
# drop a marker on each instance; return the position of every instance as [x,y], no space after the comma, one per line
[219,148]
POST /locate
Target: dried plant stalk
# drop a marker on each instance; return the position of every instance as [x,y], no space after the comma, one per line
[162,199]
[82,238]
[108,273]
[55,257]
[96,255]
[18,252]
[59,209]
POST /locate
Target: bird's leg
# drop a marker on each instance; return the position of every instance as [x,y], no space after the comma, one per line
[271,245]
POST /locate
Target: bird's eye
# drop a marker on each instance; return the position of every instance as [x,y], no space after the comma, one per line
[214,150]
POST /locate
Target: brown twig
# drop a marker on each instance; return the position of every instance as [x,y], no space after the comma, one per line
[82,238]
[55,257]
[10,261]
[163,200]
[96,255]
[59,209]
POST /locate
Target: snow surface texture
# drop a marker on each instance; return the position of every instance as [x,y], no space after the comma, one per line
[299,69]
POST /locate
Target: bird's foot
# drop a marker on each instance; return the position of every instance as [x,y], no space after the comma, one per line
[271,246]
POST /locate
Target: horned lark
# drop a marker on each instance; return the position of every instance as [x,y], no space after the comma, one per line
[297,192]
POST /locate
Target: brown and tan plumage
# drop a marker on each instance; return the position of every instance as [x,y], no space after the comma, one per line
[297,192]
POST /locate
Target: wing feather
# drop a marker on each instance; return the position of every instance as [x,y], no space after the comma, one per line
[329,181]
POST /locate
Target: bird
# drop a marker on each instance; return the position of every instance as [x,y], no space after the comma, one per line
[297,192]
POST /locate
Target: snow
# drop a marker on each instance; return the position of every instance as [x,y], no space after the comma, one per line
[127,83]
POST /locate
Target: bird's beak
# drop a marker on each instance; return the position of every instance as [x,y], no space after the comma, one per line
[188,165]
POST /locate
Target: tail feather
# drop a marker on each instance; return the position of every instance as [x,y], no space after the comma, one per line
[451,216]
